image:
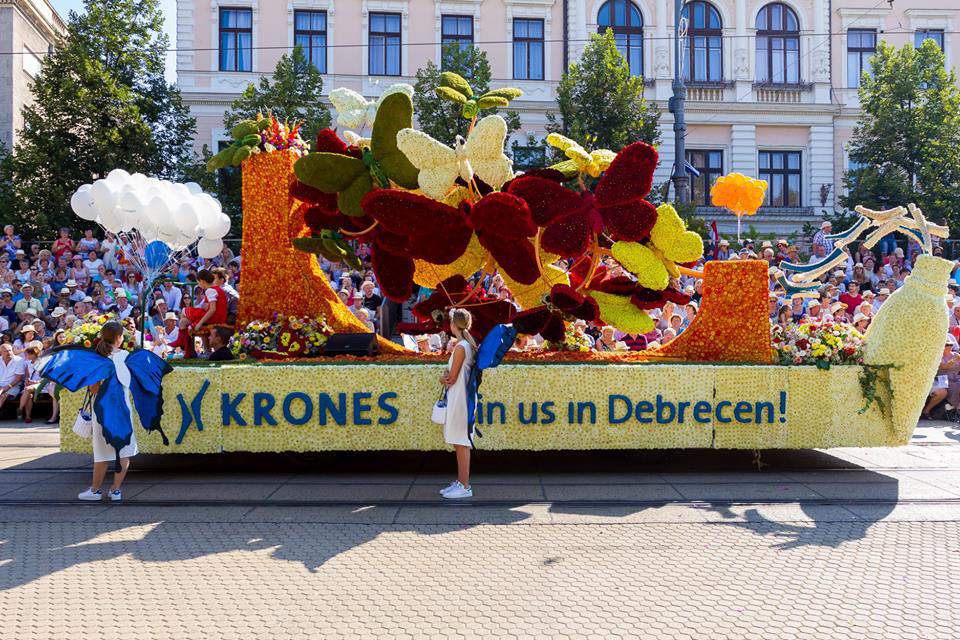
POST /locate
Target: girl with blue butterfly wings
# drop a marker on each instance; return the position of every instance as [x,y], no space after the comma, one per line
[114,377]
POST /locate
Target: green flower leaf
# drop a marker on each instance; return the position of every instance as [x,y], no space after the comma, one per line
[244,128]
[510,93]
[452,95]
[491,102]
[456,82]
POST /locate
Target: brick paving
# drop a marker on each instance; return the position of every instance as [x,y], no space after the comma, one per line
[841,544]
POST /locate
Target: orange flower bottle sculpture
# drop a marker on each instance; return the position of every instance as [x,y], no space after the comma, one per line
[733,325]
[277,278]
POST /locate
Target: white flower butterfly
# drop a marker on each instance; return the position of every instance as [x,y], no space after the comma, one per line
[439,165]
[356,112]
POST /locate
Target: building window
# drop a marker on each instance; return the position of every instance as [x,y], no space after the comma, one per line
[31,63]
[384,44]
[529,157]
[624,19]
[704,43]
[527,49]
[709,163]
[310,33]
[236,40]
[778,45]
[928,34]
[781,170]
[861,45]
[456,34]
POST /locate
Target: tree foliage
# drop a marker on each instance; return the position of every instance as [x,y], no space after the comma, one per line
[906,146]
[100,102]
[292,94]
[600,104]
[440,118]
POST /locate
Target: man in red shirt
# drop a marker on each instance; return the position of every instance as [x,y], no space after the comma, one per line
[852,297]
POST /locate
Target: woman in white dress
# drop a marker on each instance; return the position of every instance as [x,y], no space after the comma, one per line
[111,337]
[455,378]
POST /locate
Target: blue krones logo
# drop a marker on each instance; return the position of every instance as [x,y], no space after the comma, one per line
[192,413]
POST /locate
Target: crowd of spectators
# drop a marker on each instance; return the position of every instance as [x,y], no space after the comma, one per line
[47,288]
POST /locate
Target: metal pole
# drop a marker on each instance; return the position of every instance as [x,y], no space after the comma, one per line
[681,182]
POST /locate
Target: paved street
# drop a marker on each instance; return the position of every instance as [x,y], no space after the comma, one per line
[845,543]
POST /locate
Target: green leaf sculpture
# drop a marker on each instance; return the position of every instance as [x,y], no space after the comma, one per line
[352,178]
[455,89]
[246,137]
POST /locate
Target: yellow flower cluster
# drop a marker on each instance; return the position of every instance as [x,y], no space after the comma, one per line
[740,194]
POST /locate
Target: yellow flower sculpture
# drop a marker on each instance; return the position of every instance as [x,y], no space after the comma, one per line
[655,262]
[619,312]
[592,163]
[740,194]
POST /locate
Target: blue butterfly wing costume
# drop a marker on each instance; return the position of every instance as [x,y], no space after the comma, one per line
[76,367]
[490,353]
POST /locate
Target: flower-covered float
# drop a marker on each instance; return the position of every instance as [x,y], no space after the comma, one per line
[575,241]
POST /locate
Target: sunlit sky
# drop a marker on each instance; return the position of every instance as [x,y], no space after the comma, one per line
[64,7]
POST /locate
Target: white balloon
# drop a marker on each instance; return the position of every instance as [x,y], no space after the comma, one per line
[185,217]
[131,202]
[209,247]
[103,198]
[82,204]
[161,216]
[84,188]
[219,228]
[118,176]
[108,220]
[148,230]
[194,188]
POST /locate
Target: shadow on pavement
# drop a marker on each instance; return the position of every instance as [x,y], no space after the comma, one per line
[707,480]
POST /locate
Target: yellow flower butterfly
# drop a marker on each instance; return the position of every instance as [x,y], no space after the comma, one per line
[440,166]
[593,163]
[655,262]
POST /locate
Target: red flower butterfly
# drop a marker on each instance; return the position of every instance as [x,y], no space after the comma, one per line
[564,302]
[571,219]
[433,312]
[415,227]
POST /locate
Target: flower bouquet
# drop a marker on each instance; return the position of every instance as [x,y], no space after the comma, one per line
[282,338]
[87,332]
[251,137]
[818,343]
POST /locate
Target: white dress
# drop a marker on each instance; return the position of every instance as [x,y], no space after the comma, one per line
[102,450]
[455,425]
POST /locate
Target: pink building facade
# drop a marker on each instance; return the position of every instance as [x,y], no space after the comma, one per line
[772,85]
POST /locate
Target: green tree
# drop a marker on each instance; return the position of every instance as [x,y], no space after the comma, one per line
[906,146]
[600,104]
[293,95]
[441,118]
[100,102]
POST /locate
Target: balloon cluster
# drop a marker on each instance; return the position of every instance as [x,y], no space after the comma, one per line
[741,194]
[171,213]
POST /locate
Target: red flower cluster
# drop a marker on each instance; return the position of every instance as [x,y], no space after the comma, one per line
[563,303]
[641,297]
[455,291]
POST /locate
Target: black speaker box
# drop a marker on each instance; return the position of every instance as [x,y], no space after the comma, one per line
[352,344]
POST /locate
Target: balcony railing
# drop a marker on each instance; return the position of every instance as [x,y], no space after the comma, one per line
[781,93]
[706,91]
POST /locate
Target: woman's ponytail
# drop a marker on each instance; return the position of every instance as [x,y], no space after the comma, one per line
[462,319]
[108,336]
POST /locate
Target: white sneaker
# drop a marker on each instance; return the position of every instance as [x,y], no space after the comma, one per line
[90,495]
[115,496]
[458,492]
[449,487]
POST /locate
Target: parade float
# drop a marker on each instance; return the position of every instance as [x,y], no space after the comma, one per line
[577,240]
